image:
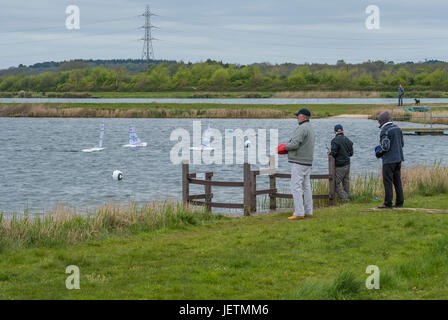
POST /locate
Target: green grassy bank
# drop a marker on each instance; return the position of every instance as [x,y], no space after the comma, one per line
[260,257]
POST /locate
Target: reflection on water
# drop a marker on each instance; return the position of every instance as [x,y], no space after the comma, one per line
[42,164]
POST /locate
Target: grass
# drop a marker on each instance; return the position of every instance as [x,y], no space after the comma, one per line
[64,226]
[165,251]
[259,257]
[230,94]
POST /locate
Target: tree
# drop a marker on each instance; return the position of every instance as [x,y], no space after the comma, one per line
[182,78]
[365,80]
[220,79]
[296,80]
[73,65]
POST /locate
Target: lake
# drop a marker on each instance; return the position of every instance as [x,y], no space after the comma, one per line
[41,162]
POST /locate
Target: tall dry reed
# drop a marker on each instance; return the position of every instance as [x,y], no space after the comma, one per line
[64,225]
[43,111]
[365,187]
[327,94]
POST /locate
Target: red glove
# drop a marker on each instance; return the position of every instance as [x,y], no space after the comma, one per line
[281,149]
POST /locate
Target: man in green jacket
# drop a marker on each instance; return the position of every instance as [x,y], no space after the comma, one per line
[300,154]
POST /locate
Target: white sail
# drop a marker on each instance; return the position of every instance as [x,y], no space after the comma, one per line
[100,146]
[101,135]
[206,139]
[133,138]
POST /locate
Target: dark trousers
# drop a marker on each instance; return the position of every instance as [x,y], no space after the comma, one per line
[391,180]
[343,177]
[400,100]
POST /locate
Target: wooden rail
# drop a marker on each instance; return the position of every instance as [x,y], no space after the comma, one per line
[249,185]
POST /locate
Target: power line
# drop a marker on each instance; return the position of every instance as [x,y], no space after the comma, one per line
[59,27]
[75,37]
[148,51]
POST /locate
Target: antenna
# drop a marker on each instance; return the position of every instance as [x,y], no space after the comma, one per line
[148,51]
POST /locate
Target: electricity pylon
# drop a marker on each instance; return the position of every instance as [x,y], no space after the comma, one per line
[148,51]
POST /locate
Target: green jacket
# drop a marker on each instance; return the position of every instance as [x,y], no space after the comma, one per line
[301,146]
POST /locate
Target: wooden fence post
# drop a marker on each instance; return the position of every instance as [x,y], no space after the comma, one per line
[208,191]
[253,192]
[185,182]
[272,183]
[247,190]
[272,199]
[332,180]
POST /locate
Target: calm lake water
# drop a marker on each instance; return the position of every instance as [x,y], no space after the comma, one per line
[42,164]
[227,101]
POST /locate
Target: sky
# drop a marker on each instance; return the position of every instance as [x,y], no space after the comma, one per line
[232,31]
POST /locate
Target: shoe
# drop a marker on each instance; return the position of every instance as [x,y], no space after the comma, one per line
[384,207]
[296,217]
[308,215]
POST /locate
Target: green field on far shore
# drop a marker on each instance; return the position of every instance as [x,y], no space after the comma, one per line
[310,94]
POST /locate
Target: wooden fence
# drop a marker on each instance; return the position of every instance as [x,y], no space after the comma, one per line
[249,185]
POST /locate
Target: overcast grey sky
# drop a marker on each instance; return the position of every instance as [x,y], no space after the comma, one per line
[235,31]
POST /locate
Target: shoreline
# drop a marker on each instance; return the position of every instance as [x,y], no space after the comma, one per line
[245,94]
[176,110]
[206,110]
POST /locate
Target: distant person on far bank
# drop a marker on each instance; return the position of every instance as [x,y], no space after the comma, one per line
[342,150]
[391,152]
[300,154]
[400,95]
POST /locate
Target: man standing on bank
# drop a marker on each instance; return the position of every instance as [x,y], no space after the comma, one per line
[300,154]
[400,95]
[391,152]
[342,150]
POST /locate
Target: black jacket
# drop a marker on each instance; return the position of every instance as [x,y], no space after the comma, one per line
[341,150]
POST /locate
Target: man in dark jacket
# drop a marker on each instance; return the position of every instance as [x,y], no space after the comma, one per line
[391,152]
[342,150]
[400,95]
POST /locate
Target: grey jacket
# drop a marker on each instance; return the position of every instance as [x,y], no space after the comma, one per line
[400,92]
[301,146]
[394,134]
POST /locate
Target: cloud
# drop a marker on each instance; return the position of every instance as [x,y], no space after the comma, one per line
[243,31]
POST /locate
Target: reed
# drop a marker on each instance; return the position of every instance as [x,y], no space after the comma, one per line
[44,111]
[365,187]
[63,225]
[327,94]
[438,117]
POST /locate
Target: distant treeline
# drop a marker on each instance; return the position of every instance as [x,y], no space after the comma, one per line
[216,76]
[130,65]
